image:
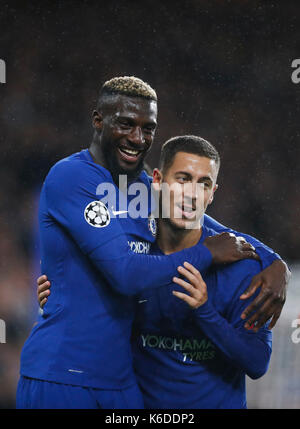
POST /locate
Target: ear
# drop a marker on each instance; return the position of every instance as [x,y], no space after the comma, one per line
[97,119]
[157,179]
[213,194]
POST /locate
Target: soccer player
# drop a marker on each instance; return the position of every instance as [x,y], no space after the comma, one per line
[78,355]
[195,355]
[93,275]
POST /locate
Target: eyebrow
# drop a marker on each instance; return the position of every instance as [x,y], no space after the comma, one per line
[132,120]
[202,179]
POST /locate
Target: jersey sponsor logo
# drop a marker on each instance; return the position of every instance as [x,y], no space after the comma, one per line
[190,349]
[96,214]
[139,246]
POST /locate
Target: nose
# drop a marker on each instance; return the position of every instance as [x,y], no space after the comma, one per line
[190,190]
[193,192]
[136,136]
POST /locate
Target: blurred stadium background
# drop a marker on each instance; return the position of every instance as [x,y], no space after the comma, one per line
[222,70]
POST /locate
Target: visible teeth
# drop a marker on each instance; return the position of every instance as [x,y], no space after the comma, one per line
[130,152]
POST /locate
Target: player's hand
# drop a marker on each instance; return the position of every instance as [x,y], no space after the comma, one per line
[268,304]
[195,286]
[227,247]
[43,290]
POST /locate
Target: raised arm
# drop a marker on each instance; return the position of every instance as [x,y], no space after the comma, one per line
[273,281]
[248,350]
[70,192]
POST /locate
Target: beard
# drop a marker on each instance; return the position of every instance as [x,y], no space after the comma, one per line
[116,170]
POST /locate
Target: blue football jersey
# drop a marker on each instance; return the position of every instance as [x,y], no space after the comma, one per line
[97,260]
[186,358]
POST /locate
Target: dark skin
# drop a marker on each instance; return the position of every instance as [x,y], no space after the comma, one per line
[128,123]
[122,124]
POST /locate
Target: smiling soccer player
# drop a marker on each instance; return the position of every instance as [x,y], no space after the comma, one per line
[195,353]
[93,273]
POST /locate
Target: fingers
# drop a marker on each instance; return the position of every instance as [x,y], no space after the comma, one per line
[194,298]
[261,316]
[44,286]
[43,290]
[44,294]
[187,286]
[42,279]
[188,275]
[275,317]
[192,275]
[184,297]
[265,306]
[270,309]
[251,289]
[249,254]
[247,246]
[259,300]
[192,269]
[43,302]
[195,286]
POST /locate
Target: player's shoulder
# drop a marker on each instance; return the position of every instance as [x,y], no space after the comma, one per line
[75,168]
[239,274]
[241,268]
[207,231]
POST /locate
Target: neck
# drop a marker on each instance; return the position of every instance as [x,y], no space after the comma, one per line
[99,157]
[171,239]
[96,151]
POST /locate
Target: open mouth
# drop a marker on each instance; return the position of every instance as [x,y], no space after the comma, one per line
[129,155]
[187,212]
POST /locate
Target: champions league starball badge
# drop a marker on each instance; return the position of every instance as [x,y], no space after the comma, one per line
[152,225]
[97,214]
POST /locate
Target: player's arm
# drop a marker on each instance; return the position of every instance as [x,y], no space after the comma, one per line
[248,350]
[273,281]
[69,192]
[224,248]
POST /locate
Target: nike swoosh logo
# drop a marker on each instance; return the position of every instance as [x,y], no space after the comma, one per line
[119,212]
[143,300]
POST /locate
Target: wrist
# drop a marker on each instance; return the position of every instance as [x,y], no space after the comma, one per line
[204,309]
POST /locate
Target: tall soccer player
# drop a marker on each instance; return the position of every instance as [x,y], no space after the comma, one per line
[195,353]
[94,276]
[78,355]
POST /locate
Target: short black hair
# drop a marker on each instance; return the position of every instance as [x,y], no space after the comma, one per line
[189,144]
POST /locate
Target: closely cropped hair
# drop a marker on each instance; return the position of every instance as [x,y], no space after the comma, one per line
[128,85]
[189,144]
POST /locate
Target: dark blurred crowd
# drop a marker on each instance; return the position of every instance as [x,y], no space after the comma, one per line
[222,70]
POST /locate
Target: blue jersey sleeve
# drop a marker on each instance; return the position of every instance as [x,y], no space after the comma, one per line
[69,193]
[248,350]
[266,254]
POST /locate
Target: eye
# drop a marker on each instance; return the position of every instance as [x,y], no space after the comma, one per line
[123,123]
[149,130]
[207,185]
[182,179]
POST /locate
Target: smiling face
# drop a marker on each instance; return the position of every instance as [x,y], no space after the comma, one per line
[192,182]
[126,127]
